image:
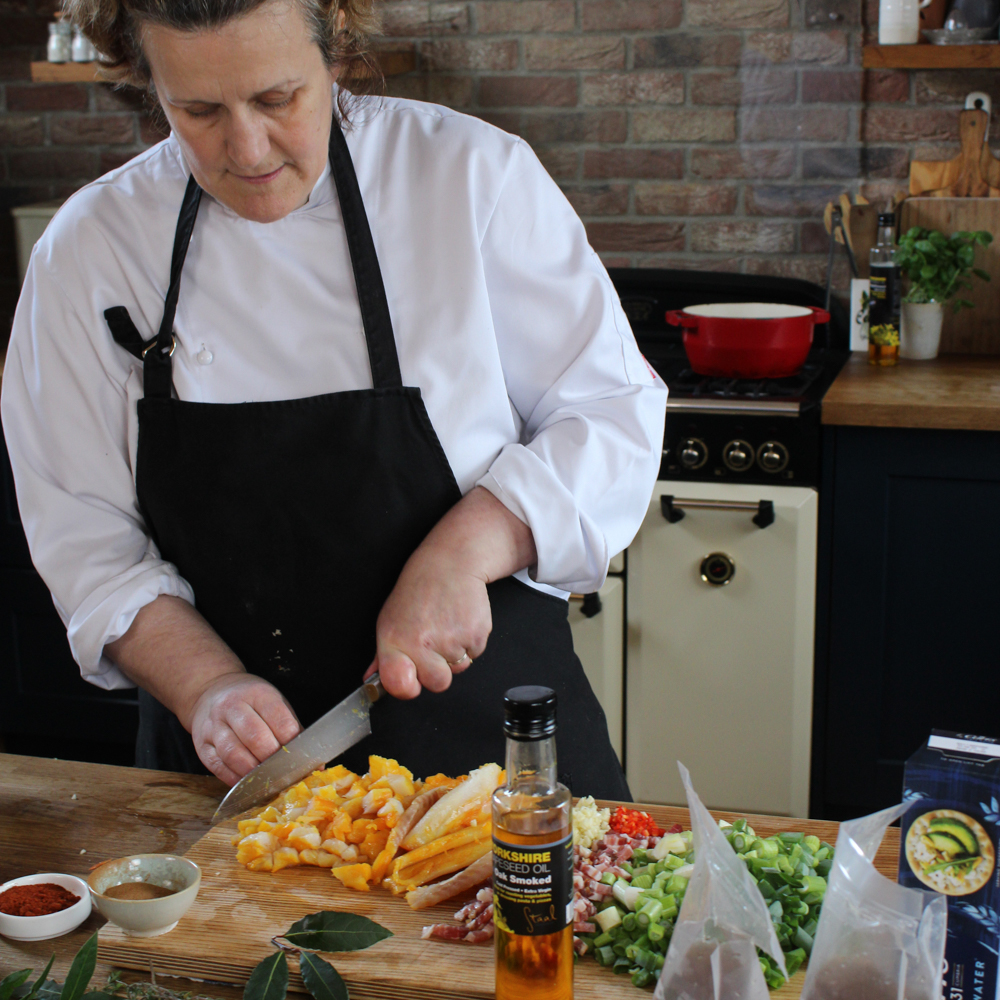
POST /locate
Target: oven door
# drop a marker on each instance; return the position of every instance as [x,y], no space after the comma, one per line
[720,646]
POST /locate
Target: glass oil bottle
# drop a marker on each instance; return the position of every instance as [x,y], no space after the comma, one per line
[532,857]
[884,301]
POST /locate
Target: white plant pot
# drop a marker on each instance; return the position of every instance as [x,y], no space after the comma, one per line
[920,332]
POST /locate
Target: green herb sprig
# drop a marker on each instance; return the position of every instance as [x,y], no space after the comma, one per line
[940,266]
[324,931]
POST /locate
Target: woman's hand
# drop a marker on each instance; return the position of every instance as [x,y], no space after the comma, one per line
[235,719]
[437,619]
[238,721]
[435,623]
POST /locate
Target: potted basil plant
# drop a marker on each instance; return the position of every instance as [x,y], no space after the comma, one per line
[939,268]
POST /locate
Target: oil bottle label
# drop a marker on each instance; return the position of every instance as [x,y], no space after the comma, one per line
[533,886]
[884,306]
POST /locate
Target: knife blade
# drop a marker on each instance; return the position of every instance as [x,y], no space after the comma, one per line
[328,737]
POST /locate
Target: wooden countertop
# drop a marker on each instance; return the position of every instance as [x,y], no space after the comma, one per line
[121,810]
[116,811]
[955,392]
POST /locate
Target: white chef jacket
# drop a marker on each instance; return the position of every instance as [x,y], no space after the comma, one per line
[503,316]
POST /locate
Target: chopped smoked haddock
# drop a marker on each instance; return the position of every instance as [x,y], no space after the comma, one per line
[383,827]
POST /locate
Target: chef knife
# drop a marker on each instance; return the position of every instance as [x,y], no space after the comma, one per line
[328,737]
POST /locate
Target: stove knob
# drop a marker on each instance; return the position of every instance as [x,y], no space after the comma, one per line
[717,569]
[772,456]
[693,453]
[738,455]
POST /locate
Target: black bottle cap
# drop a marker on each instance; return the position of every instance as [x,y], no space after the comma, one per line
[887,218]
[529,713]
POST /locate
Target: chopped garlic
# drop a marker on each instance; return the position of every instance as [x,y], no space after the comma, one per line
[589,822]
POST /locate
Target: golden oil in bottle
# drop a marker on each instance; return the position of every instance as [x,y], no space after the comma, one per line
[885,291]
[532,857]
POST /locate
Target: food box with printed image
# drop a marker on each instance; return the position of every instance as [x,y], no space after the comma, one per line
[948,842]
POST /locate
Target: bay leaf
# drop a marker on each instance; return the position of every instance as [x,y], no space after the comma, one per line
[269,979]
[331,931]
[12,982]
[81,971]
[321,978]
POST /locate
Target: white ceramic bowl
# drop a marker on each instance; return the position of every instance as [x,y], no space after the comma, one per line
[49,925]
[146,917]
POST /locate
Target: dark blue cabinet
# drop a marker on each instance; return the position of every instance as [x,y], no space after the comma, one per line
[46,708]
[908,605]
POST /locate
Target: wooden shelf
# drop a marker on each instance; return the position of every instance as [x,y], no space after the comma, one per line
[71,72]
[983,56]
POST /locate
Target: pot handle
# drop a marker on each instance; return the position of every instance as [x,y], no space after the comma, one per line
[676,317]
[820,315]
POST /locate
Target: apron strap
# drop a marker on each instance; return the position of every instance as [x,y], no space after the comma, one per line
[367,273]
[157,372]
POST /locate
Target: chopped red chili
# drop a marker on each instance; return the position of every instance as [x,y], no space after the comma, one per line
[36,900]
[634,823]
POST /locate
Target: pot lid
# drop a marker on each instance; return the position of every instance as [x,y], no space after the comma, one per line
[747,310]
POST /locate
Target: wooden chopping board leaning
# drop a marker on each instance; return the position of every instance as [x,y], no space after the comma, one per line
[975,172]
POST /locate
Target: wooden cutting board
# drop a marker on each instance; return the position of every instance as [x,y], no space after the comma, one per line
[229,927]
[976,330]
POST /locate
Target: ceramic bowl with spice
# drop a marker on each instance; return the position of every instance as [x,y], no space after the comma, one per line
[145,894]
[39,907]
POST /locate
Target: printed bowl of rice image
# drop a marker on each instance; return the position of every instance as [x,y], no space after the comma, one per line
[950,852]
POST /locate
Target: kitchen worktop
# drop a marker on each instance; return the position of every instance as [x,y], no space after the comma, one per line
[955,392]
[121,810]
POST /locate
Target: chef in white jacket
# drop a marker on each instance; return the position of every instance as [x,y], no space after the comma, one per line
[316,386]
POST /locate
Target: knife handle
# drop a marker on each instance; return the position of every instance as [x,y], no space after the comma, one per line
[373,688]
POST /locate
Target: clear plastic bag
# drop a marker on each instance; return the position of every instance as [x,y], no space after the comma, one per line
[876,940]
[723,920]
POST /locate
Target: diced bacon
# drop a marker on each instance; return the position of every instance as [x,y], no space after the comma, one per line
[479,936]
[477,921]
[583,927]
[580,947]
[444,932]
[483,920]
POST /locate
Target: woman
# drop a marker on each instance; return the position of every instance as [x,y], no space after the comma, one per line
[261,448]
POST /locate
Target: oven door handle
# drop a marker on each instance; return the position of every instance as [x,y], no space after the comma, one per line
[590,604]
[673,508]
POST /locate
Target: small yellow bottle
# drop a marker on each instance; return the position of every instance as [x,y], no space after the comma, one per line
[532,856]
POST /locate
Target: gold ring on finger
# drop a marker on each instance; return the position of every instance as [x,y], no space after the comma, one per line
[461,659]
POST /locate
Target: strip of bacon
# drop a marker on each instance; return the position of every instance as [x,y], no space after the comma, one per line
[429,895]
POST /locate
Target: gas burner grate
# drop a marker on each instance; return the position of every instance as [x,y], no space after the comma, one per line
[690,383]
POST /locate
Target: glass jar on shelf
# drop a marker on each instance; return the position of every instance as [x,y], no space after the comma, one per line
[60,47]
[82,50]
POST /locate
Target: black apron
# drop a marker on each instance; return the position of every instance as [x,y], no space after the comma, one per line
[292,520]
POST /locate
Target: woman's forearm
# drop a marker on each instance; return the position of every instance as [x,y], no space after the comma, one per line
[174,654]
[481,537]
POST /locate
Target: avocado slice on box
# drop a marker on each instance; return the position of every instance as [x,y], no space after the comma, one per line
[948,845]
[955,829]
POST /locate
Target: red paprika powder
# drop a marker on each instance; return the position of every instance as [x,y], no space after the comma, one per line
[36,900]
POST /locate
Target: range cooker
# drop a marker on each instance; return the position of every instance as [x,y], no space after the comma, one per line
[734,430]
[720,580]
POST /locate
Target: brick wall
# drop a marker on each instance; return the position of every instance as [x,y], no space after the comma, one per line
[687,133]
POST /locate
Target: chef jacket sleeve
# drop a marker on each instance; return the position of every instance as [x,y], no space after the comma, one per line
[591,410]
[65,403]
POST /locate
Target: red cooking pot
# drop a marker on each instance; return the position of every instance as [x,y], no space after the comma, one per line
[747,339]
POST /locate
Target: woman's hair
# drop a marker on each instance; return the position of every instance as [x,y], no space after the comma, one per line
[115,28]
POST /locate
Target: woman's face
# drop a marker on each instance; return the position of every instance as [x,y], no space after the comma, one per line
[250,103]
